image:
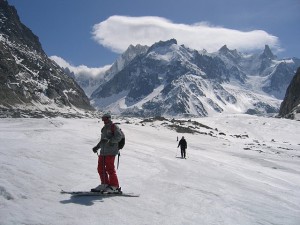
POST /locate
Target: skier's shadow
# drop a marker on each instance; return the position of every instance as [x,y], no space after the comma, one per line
[84,200]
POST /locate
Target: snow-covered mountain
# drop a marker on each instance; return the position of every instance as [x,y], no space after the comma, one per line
[171,79]
[91,79]
[31,83]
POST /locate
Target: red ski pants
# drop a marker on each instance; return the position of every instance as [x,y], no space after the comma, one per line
[107,171]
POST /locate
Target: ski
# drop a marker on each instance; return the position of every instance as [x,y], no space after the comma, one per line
[89,193]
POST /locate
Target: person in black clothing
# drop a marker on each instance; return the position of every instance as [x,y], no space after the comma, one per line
[183,146]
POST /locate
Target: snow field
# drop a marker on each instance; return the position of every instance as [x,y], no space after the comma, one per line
[226,179]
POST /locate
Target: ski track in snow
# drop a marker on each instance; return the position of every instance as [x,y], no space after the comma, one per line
[250,175]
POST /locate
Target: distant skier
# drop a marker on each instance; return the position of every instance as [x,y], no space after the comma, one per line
[183,146]
[110,137]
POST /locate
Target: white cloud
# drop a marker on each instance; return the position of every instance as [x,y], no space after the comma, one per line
[82,69]
[118,32]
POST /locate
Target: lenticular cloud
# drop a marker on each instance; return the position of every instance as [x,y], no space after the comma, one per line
[118,32]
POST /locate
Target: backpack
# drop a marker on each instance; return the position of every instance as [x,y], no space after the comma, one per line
[121,143]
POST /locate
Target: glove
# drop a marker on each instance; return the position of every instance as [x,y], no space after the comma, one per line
[95,149]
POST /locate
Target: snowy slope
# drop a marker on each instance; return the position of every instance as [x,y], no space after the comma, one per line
[245,170]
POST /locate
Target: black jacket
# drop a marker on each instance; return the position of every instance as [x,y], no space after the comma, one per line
[182,143]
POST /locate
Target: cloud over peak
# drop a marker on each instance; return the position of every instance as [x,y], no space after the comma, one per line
[118,32]
[82,69]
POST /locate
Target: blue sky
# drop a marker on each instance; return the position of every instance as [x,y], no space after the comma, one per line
[95,32]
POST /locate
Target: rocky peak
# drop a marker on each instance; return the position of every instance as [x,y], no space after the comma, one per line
[163,44]
[266,59]
[267,54]
[231,55]
[224,49]
[131,53]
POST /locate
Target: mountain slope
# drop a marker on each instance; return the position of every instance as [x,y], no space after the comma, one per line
[29,79]
[290,107]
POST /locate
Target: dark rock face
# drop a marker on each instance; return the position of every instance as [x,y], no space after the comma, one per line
[291,102]
[280,79]
[28,78]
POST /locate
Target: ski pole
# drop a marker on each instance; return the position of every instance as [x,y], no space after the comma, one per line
[118,160]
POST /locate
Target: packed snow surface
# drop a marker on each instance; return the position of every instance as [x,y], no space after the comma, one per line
[245,170]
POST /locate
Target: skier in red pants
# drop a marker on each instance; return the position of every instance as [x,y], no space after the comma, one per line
[110,137]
